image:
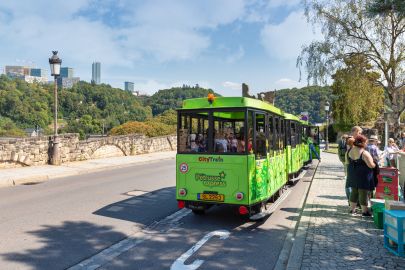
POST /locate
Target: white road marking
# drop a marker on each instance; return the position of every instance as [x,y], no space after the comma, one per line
[179,263]
[115,208]
[132,241]
[136,193]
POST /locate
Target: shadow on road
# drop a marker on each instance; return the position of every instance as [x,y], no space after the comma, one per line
[143,209]
[64,245]
[251,245]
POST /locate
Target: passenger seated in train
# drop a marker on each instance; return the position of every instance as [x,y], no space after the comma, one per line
[193,143]
[220,139]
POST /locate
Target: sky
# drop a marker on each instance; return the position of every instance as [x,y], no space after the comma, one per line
[159,44]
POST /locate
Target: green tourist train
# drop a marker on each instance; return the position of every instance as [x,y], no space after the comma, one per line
[238,151]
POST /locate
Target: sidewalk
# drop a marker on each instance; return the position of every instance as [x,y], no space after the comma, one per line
[328,237]
[23,175]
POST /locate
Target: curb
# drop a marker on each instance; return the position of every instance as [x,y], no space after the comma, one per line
[295,239]
[14,181]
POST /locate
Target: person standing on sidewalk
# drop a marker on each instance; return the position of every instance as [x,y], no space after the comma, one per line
[391,151]
[356,130]
[360,174]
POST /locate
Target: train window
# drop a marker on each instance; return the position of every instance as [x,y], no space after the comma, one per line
[293,133]
[228,132]
[277,133]
[260,142]
[283,135]
[271,134]
[299,134]
[192,132]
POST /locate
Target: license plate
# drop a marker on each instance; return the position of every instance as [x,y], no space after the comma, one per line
[210,197]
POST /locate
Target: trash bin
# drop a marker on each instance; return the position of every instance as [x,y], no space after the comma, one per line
[378,215]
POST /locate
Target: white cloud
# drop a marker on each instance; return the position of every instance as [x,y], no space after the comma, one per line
[288,83]
[284,41]
[234,57]
[149,86]
[283,3]
[157,29]
[232,85]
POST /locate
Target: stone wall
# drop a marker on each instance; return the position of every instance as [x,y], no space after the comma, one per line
[37,151]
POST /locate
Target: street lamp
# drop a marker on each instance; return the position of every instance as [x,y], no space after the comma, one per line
[327,106]
[55,63]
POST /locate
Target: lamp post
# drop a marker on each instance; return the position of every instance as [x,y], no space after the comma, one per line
[327,106]
[55,63]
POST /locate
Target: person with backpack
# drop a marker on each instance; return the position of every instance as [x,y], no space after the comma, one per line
[342,148]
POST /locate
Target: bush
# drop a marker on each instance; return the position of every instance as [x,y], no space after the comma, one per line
[9,129]
[149,128]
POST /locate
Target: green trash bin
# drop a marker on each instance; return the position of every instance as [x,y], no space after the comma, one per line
[378,215]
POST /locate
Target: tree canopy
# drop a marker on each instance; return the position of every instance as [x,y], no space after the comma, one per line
[358,97]
[85,108]
[307,99]
[359,27]
[172,98]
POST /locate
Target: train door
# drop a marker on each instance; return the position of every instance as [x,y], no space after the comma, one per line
[260,181]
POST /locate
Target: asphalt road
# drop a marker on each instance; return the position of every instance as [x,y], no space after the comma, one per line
[60,223]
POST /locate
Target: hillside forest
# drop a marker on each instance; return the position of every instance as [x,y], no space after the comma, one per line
[101,109]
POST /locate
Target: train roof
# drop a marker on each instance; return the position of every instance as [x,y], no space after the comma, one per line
[229,102]
[237,102]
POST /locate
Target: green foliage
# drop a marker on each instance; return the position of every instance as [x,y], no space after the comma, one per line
[85,107]
[150,128]
[25,104]
[9,129]
[169,99]
[373,28]
[307,99]
[169,117]
[85,125]
[383,7]
[359,100]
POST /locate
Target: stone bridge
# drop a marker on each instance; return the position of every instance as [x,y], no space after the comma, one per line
[37,150]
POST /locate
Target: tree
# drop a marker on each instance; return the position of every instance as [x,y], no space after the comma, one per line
[9,129]
[378,7]
[307,99]
[351,28]
[358,97]
[169,99]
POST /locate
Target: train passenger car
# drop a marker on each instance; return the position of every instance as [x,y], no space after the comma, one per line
[232,150]
[294,149]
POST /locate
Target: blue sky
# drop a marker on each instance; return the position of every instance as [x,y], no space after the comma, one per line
[160,43]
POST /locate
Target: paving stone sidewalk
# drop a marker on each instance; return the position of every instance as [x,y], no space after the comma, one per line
[334,239]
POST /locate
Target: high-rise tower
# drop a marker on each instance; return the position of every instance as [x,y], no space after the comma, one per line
[95,72]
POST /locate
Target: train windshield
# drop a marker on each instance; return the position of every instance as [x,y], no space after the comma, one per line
[212,131]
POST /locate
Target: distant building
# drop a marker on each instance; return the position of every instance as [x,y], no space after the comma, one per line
[27,74]
[96,72]
[38,72]
[66,72]
[64,82]
[129,86]
[15,71]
